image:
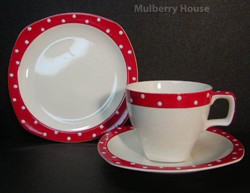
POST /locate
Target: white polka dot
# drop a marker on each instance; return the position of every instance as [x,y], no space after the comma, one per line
[56,132]
[236,144]
[29,28]
[218,160]
[48,20]
[117,112]
[129,51]
[94,135]
[35,122]
[63,20]
[101,126]
[228,136]
[120,46]
[129,68]
[179,98]
[234,139]
[131,100]
[74,15]
[234,153]
[15,86]
[118,163]
[240,149]
[68,138]
[120,32]
[17,62]
[23,107]
[79,134]
[26,42]
[159,103]
[42,29]
[143,96]
[132,163]
[16,50]
[101,142]
[23,121]
[208,95]
[144,167]
[134,78]
[119,128]
[98,19]
[104,148]
[107,30]
[103,152]
[227,92]
[195,102]
[209,165]
[86,21]
[11,74]
[44,134]
[178,168]
[114,157]
[14,99]
[193,166]
[234,158]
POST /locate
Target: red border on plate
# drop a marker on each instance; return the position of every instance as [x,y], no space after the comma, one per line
[235,155]
[25,117]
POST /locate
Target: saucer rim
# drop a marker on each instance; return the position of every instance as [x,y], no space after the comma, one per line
[121,163]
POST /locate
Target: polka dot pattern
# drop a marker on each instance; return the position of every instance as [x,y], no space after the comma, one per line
[172,100]
[235,155]
[25,39]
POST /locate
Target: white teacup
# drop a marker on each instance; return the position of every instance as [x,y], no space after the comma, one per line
[169,116]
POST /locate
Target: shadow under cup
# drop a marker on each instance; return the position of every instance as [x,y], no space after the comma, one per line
[169,116]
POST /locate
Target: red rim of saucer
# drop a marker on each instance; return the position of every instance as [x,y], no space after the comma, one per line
[25,117]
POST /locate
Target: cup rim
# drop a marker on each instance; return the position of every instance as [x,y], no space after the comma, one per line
[133,87]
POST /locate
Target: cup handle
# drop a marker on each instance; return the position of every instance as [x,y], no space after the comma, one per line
[229,96]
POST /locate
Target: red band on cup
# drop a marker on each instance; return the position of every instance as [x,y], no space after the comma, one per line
[156,100]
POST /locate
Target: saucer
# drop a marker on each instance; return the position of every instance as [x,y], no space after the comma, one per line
[67,76]
[215,148]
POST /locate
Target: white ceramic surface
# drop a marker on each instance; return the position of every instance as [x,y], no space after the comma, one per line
[65,81]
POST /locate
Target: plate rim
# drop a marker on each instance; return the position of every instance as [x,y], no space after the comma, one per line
[28,35]
[114,160]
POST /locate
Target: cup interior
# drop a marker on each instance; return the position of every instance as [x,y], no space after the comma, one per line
[168,87]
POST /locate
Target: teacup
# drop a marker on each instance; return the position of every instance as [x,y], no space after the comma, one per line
[169,116]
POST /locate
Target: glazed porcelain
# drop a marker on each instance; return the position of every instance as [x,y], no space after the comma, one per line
[68,74]
[169,116]
[214,148]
